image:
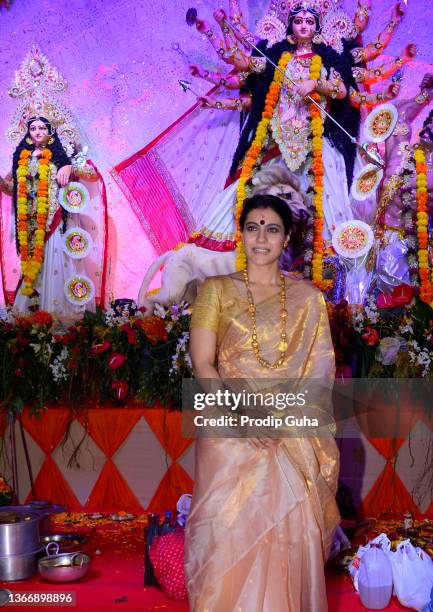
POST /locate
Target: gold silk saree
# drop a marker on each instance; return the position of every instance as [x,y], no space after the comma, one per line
[262,519]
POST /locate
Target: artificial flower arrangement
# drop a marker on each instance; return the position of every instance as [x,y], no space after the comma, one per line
[111,355]
[6,493]
[390,337]
[118,355]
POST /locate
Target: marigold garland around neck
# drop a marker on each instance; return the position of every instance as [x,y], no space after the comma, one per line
[32,247]
[425,274]
[282,347]
[253,155]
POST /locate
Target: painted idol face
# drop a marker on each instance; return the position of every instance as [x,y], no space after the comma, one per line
[38,132]
[304,26]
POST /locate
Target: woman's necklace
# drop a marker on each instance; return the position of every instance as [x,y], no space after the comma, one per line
[282,347]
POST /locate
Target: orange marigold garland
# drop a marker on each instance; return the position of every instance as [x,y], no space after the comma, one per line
[256,147]
[32,253]
[426,281]
[317,168]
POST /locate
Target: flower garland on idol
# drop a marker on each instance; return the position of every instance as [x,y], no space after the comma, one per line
[32,254]
[253,155]
[426,281]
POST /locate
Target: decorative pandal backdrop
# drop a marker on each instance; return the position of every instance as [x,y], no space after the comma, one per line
[135,458]
[132,458]
[122,60]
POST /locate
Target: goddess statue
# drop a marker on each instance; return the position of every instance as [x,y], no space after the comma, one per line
[52,205]
[316,46]
[403,216]
[283,127]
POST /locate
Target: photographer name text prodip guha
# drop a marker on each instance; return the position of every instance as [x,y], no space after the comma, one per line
[230,420]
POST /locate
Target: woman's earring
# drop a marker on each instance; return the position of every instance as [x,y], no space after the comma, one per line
[291,39]
[50,140]
[29,140]
[318,39]
[286,244]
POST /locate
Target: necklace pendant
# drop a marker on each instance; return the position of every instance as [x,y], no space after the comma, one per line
[283,346]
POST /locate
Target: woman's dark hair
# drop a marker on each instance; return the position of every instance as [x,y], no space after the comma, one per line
[342,111]
[276,204]
[59,159]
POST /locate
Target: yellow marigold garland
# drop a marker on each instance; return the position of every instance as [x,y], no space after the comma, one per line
[426,282]
[32,256]
[256,147]
[317,167]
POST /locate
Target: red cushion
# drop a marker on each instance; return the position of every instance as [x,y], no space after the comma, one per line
[166,554]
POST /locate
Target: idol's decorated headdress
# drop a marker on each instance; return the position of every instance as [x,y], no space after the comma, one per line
[336,26]
[335,23]
[34,86]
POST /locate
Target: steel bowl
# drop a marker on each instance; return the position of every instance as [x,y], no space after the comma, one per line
[66,567]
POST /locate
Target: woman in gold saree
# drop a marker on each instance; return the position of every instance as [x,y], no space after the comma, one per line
[263,511]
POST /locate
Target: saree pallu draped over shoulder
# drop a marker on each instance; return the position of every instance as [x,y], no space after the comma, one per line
[261,522]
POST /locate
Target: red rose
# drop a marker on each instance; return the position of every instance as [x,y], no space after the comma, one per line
[97,349]
[67,338]
[371,337]
[120,388]
[18,372]
[115,361]
[24,322]
[42,318]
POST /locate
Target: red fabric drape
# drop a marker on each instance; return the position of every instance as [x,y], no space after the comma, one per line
[167,427]
[429,511]
[49,429]
[109,427]
[388,494]
[51,485]
[175,483]
[388,447]
[111,492]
